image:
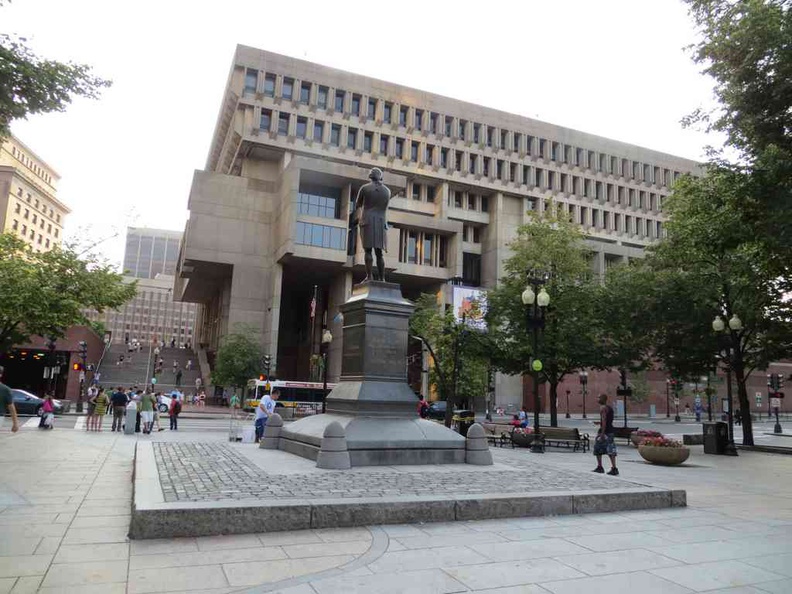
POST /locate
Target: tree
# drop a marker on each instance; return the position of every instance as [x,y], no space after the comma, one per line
[569,341]
[45,293]
[459,370]
[238,358]
[30,84]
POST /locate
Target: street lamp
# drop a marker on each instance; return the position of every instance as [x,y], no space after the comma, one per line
[735,325]
[677,418]
[327,338]
[583,376]
[567,413]
[668,399]
[536,299]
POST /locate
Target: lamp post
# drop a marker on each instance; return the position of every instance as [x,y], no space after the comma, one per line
[668,398]
[677,418]
[735,325]
[583,376]
[536,299]
[567,413]
[327,338]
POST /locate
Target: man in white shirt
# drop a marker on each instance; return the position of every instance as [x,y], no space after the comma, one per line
[263,411]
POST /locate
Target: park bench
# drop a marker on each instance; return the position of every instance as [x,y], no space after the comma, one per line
[624,432]
[500,434]
[569,436]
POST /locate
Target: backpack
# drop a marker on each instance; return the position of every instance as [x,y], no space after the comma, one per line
[177,408]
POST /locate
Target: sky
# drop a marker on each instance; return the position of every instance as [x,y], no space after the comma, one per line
[616,68]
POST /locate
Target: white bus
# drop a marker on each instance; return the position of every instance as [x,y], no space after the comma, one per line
[304,398]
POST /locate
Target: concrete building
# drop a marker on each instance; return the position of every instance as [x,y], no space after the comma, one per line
[151,316]
[28,203]
[270,214]
[150,252]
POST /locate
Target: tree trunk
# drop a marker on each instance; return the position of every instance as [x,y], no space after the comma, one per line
[554,404]
[745,405]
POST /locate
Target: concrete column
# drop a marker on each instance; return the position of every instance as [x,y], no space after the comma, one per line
[339,291]
[273,317]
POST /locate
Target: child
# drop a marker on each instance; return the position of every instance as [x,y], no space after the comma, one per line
[48,415]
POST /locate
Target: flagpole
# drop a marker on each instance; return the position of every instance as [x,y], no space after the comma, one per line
[313,322]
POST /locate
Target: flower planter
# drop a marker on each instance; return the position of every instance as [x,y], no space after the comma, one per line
[664,456]
[636,437]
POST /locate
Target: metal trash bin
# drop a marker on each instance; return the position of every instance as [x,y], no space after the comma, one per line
[464,419]
[130,417]
[716,436]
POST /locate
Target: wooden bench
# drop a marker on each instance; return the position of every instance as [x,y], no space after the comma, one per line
[569,436]
[624,432]
[498,433]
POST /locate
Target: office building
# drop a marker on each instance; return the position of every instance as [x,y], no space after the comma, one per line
[150,252]
[29,206]
[270,213]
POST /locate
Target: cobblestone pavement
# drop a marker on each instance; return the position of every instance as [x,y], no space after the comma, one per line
[214,471]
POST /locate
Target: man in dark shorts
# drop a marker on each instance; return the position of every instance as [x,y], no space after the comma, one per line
[7,403]
[605,443]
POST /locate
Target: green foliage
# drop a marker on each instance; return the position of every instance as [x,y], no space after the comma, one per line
[238,358]
[45,293]
[30,84]
[98,327]
[570,338]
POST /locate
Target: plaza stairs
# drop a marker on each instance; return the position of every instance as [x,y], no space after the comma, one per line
[135,372]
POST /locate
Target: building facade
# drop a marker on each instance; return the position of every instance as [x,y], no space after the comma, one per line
[271,214]
[150,252]
[29,207]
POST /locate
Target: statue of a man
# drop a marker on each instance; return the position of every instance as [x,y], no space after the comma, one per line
[373,198]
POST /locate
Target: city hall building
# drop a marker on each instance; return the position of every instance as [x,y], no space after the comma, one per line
[271,214]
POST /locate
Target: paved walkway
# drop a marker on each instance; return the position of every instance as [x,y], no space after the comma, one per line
[64,511]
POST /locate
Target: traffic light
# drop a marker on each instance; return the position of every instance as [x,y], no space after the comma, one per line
[77,366]
[779,382]
[83,349]
[262,377]
[267,361]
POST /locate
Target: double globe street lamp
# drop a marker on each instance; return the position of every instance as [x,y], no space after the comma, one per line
[327,338]
[583,376]
[726,337]
[536,299]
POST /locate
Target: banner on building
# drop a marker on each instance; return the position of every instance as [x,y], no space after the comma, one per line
[472,303]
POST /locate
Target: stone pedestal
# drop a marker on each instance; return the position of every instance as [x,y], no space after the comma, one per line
[373,402]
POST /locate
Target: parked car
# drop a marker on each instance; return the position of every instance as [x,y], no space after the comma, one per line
[437,410]
[30,404]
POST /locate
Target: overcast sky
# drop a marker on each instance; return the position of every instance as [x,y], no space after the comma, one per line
[616,68]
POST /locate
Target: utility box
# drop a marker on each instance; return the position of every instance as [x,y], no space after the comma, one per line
[716,436]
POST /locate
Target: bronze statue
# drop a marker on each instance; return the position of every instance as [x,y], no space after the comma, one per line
[373,199]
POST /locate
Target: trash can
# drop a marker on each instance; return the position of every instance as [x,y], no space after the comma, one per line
[716,436]
[463,420]
[129,418]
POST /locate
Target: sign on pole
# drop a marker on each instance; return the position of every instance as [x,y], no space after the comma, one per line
[775,402]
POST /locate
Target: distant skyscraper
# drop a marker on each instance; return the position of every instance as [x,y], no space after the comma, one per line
[150,252]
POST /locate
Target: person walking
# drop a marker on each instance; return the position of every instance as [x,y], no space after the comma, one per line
[198,384]
[263,411]
[178,378]
[147,403]
[119,401]
[7,404]
[605,442]
[188,367]
[173,412]
[100,404]
[91,395]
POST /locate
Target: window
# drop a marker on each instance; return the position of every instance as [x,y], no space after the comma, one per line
[287,92]
[403,115]
[321,97]
[419,119]
[551,180]
[17,208]
[32,234]
[356,105]
[305,93]
[24,229]
[430,193]
[542,143]
[302,127]
[19,192]
[603,162]
[458,161]
[368,138]
[412,247]
[387,113]
[40,238]
[476,132]
[476,234]
[36,205]
[400,148]
[318,131]
[383,144]
[49,228]
[504,135]
[372,108]
[14,225]
[352,138]
[530,143]
[485,204]
[428,154]
[56,232]
[423,249]
[461,131]
[554,151]
[632,198]
[265,123]
[433,122]
[319,201]
[471,202]
[428,248]
[443,157]
[335,135]
[471,269]
[320,236]
[27,213]
[539,178]
[457,197]
[516,140]
[338,105]
[283,124]
[416,191]
[449,125]
[473,159]
[251,79]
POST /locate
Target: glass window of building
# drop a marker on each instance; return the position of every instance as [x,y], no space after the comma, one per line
[554,151]
[412,247]
[305,93]
[486,167]
[449,124]
[251,80]
[320,236]
[352,138]
[516,140]
[542,148]
[414,152]
[551,179]
[387,113]
[368,138]
[318,200]
[339,101]
[430,193]
[287,92]
[473,159]
[485,204]
[476,132]
[416,191]
[458,161]
[471,201]
[457,197]
[428,249]
[335,135]
[321,97]
[433,122]
[383,144]
[265,123]
[504,136]
[302,127]
[419,119]
[443,157]
[400,148]
[471,269]
[318,131]
[283,124]
[539,178]
[372,108]
[355,103]
[403,115]
[428,152]
[461,131]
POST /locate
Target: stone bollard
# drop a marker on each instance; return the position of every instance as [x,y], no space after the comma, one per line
[333,453]
[272,430]
[477,449]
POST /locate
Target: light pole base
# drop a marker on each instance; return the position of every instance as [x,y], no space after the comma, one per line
[730,449]
[584,416]
[568,416]
[538,448]
[777,428]
[677,419]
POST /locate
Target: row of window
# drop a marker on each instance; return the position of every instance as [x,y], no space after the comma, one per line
[471,233]
[424,249]
[320,236]
[23,231]
[31,164]
[35,204]
[35,219]
[355,104]
[468,200]
[614,221]
[467,162]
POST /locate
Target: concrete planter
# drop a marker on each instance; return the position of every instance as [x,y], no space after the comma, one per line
[664,456]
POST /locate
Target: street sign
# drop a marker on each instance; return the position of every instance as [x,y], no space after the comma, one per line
[624,391]
[758,397]
[82,376]
[775,402]
[676,401]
